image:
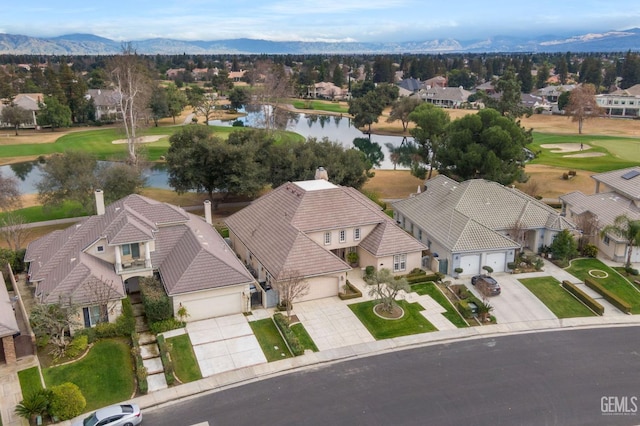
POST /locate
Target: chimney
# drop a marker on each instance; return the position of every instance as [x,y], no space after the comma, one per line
[321,173]
[99,202]
[207,212]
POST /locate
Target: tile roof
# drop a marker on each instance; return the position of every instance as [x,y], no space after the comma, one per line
[470,216]
[275,227]
[614,180]
[8,323]
[61,267]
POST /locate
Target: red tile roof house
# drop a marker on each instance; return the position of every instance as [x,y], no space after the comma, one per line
[310,227]
[139,237]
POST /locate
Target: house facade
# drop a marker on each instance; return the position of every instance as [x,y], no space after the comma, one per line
[105,102]
[621,103]
[94,264]
[28,101]
[446,97]
[310,227]
[617,193]
[476,223]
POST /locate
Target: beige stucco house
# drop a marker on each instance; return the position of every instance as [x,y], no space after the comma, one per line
[310,227]
[94,263]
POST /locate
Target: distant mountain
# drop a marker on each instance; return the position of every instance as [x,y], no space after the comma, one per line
[89,44]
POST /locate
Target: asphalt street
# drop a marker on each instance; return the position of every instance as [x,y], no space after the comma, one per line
[568,377]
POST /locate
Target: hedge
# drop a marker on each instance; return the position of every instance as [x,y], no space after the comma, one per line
[166,325]
[289,336]
[422,278]
[583,297]
[609,297]
[141,370]
[157,305]
[354,292]
[166,360]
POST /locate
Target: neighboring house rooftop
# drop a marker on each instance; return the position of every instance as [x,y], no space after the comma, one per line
[29,101]
[623,181]
[469,216]
[103,97]
[606,206]
[8,323]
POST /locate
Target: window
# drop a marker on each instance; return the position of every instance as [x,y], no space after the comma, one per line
[420,234]
[327,238]
[343,236]
[606,239]
[100,249]
[399,262]
[94,315]
[356,234]
[132,250]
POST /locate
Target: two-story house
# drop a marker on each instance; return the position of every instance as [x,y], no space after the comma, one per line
[310,227]
[97,261]
[621,103]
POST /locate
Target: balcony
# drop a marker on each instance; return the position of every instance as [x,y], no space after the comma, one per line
[133,264]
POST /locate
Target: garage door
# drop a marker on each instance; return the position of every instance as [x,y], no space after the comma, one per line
[211,307]
[497,261]
[635,255]
[470,264]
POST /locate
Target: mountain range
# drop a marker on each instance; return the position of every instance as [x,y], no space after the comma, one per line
[88,44]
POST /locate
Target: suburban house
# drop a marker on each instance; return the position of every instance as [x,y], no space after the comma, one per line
[411,84]
[326,90]
[8,326]
[552,93]
[617,193]
[105,102]
[446,97]
[476,223]
[96,262]
[621,103]
[309,228]
[28,101]
[534,102]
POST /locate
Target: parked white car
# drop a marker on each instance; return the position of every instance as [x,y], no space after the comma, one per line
[114,415]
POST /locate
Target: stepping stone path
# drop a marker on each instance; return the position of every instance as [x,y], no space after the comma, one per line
[149,350]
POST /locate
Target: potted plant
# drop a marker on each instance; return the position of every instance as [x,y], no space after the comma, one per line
[458,271]
[352,258]
[488,268]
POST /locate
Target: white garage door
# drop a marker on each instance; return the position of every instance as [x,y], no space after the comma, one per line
[635,255]
[497,261]
[211,307]
[470,264]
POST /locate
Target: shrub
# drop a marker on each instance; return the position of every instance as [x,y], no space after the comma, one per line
[90,332]
[166,360]
[631,271]
[166,325]
[126,323]
[511,266]
[78,345]
[67,401]
[488,268]
[538,264]
[368,272]
[590,250]
[141,370]
[104,330]
[417,271]
[608,296]
[583,297]
[43,341]
[157,305]
[351,292]
[35,403]
[464,309]
[289,336]
[572,172]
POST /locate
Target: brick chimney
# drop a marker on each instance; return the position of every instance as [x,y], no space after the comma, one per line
[99,202]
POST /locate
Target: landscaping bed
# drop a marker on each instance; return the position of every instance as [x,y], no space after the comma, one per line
[270,340]
[411,323]
[432,290]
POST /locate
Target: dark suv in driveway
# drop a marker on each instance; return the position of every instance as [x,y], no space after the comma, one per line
[484,280]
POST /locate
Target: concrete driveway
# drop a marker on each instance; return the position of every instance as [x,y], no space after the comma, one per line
[224,344]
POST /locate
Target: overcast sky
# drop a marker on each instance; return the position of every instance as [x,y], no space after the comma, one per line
[322,20]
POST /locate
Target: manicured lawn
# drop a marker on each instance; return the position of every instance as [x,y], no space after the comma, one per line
[29,380]
[104,375]
[270,340]
[619,152]
[184,359]
[558,300]
[39,214]
[432,290]
[411,323]
[320,106]
[614,282]
[305,340]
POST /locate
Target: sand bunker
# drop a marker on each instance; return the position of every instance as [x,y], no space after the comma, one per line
[586,154]
[142,139]
[565,147]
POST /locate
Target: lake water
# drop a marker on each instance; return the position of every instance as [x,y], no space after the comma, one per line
[335,128]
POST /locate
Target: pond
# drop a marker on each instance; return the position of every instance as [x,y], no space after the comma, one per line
[335,128]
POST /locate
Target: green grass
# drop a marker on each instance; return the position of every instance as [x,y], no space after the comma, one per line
[105,375]
[320,106]
[615,283]
[305,340]
[39,214]
[269,338]
[620,152]
[411,323]
[184,359]
[432,290]
[558,300]
[29,380]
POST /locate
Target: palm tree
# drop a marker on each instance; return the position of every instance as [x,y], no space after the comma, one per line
[626,228]
[36,403]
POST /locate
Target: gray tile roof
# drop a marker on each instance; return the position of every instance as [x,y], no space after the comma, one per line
[102,97]
[59,264]
[275,227]
[8,323]
[614,180]
[475,214]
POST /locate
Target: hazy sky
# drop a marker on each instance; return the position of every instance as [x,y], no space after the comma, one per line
[322,20]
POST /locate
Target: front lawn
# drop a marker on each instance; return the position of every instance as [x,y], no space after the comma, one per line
[270,340]
[615,283]
[557,299]
[29,380]
[104,375]
[305,340]
[411,323]
[184,359]
[432,290]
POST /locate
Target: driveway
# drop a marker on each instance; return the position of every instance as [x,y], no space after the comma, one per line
[224,344]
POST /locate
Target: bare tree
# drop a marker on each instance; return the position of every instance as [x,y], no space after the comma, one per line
[9,193]
[582,105]
[132,84]
[101,292]
[531,188]
[587,224]
[274,86]
[290,286]
[517,232]
[205,105]
[14,230]
[385,287]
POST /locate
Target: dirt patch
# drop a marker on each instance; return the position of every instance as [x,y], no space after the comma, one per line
[141,139]
[392,184]
[551,184]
